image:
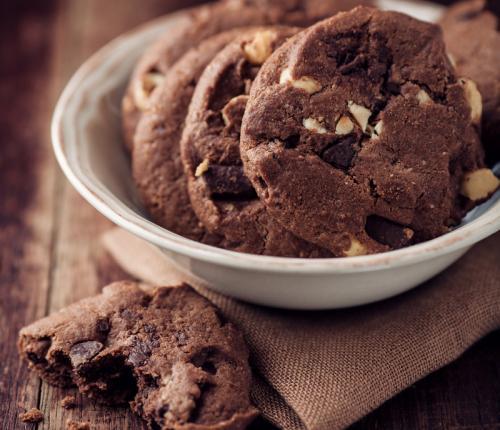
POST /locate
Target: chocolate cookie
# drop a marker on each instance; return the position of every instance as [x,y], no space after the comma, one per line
[206,21]
[156,162]
[167,352]
[221,195]
[357,133]
[472,36]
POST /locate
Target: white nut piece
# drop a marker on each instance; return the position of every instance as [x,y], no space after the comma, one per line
[479,184]
[474,98]
[344,126]
[285,77]
[144,87]
[360,114]
[423,98]
[306,83]
[314,125]
[260,48]
[229,109]
[375,131]
[201,169]
[355,248]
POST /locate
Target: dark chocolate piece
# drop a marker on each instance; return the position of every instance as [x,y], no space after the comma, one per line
[388,233]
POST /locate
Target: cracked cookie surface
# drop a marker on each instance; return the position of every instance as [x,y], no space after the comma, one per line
[357,133]
[201,23]
[221,195]
[472,37]
[166,351]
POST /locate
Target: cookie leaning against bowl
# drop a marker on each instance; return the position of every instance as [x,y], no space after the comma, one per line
[472,37]
[156,163]
[203,22]
[358,135]
[220,193]
[166,351]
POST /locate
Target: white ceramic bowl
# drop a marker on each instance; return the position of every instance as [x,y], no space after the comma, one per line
[88,145]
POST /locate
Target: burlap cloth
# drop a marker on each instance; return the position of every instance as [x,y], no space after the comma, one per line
[325,370]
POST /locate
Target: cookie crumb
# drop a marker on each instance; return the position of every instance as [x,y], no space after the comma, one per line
[75,425]
[34,415]
[69,402]
[201,169]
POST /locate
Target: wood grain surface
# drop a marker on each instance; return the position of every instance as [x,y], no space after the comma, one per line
[49,250]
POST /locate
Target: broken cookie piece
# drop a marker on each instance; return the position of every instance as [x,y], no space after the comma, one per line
[76,425]
[166,352]
[69,402]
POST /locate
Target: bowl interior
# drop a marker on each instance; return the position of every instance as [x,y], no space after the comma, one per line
[88,144]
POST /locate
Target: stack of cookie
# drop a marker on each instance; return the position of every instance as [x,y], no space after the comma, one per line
[253,128]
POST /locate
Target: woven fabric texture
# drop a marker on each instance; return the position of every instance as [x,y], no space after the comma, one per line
[325,370]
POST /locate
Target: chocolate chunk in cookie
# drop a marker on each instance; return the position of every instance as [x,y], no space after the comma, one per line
[472,36]
[358,134]
[203,22]
[221,194]
[164,351]
[228,181]
[388,233]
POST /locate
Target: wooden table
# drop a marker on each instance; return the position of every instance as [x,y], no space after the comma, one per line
[49,249]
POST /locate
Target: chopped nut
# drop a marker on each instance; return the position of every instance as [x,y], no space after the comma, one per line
[260,48]
[423,98]
[479,184]
[374,131]
[356,248]
[344,126]
[360,114]
[285,77]
[306,83]
[474,98]
[314,125]
[143,88]
[152,80]
[234,109]
[201,169]
[409,233]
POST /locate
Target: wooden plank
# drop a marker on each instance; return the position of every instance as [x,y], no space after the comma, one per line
[26,191]
[49,255]
[78,272]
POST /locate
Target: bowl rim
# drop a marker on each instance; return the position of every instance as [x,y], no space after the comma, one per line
[465,236]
